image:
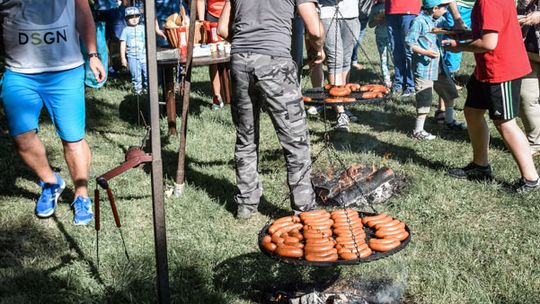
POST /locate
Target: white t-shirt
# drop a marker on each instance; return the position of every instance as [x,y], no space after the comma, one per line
[347,9]
[40,36]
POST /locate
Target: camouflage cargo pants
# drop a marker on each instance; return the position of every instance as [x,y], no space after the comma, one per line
[259,80]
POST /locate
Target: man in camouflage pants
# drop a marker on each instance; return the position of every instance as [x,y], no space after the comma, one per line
[263,74]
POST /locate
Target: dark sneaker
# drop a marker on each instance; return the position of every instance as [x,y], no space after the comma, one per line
[246,212]
[82,208]
[472,172]
[352,118]
[524,186]
[423,135]
[440,116]
[48,199]
[342,123]
[456,126]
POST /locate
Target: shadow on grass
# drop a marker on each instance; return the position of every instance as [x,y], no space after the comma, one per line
[13,168]
[23,242]
[364,143]
[256,277]
[218,188]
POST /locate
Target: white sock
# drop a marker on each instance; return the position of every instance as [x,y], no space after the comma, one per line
[449,116]
[419,125]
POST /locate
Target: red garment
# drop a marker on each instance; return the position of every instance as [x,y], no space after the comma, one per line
[508,61]
[409,7]
[215,7]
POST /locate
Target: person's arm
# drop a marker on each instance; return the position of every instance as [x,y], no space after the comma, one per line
[487,42]
[411,40]
[159,31]
[419,50]
[201,9]
[532,18]
[84,23]
[123,49]
[315,32]
[458,21]
[224,28]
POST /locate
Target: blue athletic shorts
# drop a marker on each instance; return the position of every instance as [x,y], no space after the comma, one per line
[62,93]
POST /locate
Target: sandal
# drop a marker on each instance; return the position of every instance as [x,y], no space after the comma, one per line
[440,116]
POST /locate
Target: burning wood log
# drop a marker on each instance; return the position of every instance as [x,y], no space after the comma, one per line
[354,184]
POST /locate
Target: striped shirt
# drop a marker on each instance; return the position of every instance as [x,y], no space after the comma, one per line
[420,35]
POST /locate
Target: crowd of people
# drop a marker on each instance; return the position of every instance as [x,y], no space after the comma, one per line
[267,37]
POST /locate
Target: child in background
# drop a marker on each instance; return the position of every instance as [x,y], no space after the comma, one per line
[377,20]
[133,49]
[430,72]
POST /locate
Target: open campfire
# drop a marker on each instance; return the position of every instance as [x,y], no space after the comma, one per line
[358,185]
[359,291]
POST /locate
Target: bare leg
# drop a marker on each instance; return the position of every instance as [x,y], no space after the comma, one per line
[77,155]
[216,85]
[317,76]
[338,79]
[32,152]
[442,105]
[519,146]
[479,135]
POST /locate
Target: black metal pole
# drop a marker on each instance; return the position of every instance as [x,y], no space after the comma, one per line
[160,232]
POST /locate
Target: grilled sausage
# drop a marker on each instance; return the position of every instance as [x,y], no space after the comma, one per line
[400,235]
[289,252]
[339,91]
[316,214]
[392,225]
[383,245]
[353,86]
[267,244]
[373,217]
[321,258]
[369,95]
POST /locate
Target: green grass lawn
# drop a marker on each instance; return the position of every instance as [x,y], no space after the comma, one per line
[471,242]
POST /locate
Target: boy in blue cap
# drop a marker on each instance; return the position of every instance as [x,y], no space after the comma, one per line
[133,49]
[430,72]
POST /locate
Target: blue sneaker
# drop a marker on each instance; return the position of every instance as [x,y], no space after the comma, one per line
[82,207]
[48,199]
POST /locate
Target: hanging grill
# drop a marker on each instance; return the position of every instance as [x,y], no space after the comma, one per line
[370,233]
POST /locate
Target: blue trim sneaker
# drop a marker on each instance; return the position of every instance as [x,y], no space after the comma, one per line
[82,208]
[48,199]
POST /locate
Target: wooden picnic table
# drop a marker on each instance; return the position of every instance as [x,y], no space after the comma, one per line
[169,58]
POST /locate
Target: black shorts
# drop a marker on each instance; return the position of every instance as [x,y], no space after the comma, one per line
[501,99]
[210,18]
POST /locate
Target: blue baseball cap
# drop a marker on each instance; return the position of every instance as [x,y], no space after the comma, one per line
[131,11]
[427,4]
